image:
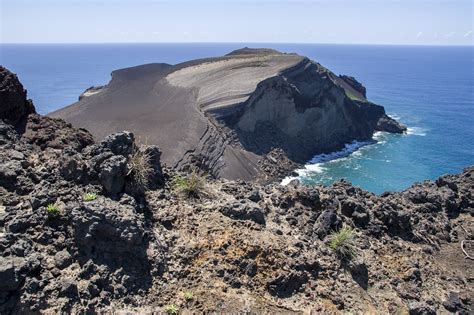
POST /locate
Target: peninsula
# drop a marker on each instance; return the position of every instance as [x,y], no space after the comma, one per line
[254,114]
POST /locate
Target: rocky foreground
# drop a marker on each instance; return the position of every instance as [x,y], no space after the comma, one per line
[253,114]
[81,231]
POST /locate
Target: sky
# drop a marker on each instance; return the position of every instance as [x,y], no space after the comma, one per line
[392,22]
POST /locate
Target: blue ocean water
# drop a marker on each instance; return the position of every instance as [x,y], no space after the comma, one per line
[430,89]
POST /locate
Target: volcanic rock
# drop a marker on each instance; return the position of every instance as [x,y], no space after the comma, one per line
[15,106]
[241,247]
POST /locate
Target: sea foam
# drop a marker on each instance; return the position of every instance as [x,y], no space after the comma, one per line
[417,131]
[315,165]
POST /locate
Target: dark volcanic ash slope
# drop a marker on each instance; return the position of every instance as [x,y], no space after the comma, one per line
[230,114]
[238,248]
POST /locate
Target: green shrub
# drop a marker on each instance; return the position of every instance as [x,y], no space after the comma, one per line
[171,309]
[90,196]
[52,209]
[188,295]
[191,186]
[140,168]
[342,242]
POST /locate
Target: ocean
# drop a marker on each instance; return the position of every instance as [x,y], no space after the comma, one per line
[430,89]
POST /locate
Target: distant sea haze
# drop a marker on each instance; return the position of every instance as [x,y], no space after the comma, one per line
[430,89]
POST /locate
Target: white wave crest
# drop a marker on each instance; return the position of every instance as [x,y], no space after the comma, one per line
[287,180]
[378,135]
[315,165]
[394,116]
[346,151]
[311,168]
[417,131]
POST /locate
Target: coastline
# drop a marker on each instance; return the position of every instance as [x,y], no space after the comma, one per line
[320,163]
[446,149]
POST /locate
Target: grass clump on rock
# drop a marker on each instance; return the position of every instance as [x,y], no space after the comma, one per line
[191,186]
[188,296]
[140,168]
[52,209]
[90,196]
[342,242]
[171,309]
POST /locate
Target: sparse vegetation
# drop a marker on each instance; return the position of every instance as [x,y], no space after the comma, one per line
[140,168]
[188,296]
[342,242]
[191,186]
[90,196]
[352,96]
[171,309]
[52,209]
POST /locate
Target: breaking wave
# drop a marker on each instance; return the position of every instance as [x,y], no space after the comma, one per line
[416,131]
[315,165]
[346,151]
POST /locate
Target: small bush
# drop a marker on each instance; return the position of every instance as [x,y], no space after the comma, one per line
[342,242]
[171,309]
[90,196]
[140,168]
[188,296]
[52,209]
[191,186]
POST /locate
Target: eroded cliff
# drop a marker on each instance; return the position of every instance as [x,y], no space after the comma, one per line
[227,114]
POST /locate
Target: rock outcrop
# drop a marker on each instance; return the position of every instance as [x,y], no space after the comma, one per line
[354,84]
[15,106]
[387,123]
[227,114]
[77,237]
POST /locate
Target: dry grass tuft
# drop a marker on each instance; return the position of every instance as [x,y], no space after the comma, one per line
[193,185]
[342,242]
[140,168]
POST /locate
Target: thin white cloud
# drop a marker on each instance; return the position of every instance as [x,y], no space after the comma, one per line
[449,35]
[468,34]
[419,34]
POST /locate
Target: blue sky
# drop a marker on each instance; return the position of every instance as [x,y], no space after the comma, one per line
[413,22]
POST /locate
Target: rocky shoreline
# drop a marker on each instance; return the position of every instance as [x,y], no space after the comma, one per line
[81,232]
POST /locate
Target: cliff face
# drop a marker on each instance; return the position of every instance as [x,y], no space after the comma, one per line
[228,113]
[303,110]
[77,236]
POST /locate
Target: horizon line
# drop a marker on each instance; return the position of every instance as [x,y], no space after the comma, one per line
[245,43]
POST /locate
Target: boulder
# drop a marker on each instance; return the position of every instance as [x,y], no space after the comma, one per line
[388,124]
[286,284]
[109,232]
[14,106]
[355,210]
[119,143]
[112,174]
[45,132]
[326,222]
[244,211]
[10,277]
[155,178]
